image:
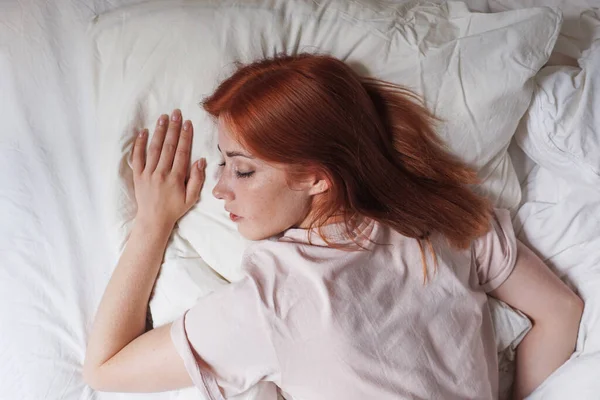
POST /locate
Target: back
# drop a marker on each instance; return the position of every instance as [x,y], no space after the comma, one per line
[361,324]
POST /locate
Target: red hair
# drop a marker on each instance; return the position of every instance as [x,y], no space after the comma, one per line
[373,140]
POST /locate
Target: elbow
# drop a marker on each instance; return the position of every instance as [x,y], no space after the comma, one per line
[563,315]
[574,308]
[88,371]
[574,316]
[577,308]
[568,314]
[89,377]
[92,377]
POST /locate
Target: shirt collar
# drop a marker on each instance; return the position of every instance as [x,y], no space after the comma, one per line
[335,233]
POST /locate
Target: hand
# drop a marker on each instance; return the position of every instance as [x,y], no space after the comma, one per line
[162,192]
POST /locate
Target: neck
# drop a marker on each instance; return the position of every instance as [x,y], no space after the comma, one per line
[335,218]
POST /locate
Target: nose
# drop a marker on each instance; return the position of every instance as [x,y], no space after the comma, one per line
[222,191]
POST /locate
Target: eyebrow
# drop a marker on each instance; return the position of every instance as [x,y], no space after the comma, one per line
[235,153]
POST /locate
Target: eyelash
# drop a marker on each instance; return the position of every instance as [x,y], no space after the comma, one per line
[240,174]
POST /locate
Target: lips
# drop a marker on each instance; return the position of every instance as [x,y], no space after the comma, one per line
[234,217]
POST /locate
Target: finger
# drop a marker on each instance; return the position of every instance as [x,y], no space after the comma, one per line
[139,151]
[184,148]
[132,149]
[194,185]
[170,145]
[157,142]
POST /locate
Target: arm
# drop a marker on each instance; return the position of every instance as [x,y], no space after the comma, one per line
[120,356]
[555,312]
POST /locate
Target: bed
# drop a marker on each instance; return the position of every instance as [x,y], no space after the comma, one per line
[60,241]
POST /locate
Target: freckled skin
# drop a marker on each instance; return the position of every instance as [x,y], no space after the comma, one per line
[264,201]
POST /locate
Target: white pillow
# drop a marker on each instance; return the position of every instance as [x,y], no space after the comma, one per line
[579,29]
[561,129]
[474,70]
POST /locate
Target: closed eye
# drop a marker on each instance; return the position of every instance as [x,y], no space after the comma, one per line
[238,173]
[244,174]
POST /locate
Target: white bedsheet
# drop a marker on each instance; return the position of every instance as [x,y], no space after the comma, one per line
[54,255]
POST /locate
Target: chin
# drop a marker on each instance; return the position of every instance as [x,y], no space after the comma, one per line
[254,235]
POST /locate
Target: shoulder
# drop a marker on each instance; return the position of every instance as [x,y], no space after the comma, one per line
[496,250]
[500,234]
[264,254]
[266,265]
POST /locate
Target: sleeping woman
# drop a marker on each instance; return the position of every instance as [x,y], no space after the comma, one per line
[371,259]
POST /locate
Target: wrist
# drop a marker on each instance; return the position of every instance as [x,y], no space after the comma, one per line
[153,225]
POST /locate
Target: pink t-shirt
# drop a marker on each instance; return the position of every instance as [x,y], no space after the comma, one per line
[324,323]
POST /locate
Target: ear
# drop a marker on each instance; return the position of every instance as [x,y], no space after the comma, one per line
[319,185]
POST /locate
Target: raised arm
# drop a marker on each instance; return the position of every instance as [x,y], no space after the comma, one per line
[120,356]
[555,312]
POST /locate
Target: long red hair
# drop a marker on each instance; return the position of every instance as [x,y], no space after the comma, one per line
[375,142]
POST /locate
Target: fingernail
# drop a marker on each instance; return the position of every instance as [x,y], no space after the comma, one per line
[176,115]
[162,120]
[186,125]
[142,133]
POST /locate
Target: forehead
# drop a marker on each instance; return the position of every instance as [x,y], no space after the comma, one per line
[226,141]
[228,144]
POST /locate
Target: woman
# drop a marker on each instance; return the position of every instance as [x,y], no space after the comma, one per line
[372,260]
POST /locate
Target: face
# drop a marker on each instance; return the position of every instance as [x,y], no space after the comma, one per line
[256,193]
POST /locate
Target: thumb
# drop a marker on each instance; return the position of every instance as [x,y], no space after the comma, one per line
[195,183]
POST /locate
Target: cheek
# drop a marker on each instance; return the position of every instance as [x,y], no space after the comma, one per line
[270,208]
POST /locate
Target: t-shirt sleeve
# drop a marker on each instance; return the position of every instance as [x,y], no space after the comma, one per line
[495,253]
[225,341]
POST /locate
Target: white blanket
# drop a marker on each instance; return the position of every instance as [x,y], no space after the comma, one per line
[561,222]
